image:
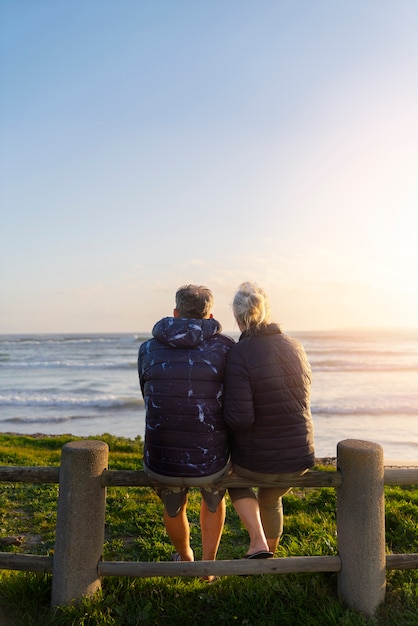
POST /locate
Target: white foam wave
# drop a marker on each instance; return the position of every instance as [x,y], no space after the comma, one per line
[341,410]
[98,365]
[353,366]
[60,401]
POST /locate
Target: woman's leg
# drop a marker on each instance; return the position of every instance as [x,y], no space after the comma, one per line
[249,512]
[271,513]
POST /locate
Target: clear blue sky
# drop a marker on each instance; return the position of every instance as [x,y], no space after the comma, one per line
[145,145]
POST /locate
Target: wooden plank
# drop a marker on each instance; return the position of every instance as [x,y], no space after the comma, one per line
[401,476]
[137,478]
[26,562]
[239,567]
[402,561]
[314,478]
[28,474]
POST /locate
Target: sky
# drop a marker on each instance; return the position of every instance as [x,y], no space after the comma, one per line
[147,145]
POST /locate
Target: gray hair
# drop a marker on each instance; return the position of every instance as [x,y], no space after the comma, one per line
[194,301]
[251,306]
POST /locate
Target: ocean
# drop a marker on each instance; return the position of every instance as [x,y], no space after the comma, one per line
[365,386]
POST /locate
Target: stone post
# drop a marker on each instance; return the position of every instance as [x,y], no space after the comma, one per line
[80,521]
[361,525]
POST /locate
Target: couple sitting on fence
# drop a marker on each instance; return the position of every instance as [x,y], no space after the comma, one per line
[210,401]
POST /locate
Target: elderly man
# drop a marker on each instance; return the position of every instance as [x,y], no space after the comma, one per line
[181,372]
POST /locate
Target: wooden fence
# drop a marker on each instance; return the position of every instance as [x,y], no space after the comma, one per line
[77,567]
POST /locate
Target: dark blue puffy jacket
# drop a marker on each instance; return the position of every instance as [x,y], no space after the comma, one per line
[181,374]
[267,403]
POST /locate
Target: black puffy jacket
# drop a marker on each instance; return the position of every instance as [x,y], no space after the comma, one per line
[181,373]
[267,403]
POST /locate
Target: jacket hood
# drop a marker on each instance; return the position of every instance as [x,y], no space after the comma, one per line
[180,332]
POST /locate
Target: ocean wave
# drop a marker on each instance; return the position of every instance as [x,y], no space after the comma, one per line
[45,420]
[72,339]
[89,365]
[356,352]
[142,338]
[362,410]
[64,401]
[330,364]
[353,366]
[36,341]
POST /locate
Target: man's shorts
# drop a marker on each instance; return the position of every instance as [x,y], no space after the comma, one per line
[173,490]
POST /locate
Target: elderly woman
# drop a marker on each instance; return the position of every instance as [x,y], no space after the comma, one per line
[267,409]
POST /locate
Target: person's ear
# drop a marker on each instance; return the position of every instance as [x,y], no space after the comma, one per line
[176,313]
[211,316]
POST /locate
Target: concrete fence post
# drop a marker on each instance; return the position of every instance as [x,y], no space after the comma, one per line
[361,525]
[80,522]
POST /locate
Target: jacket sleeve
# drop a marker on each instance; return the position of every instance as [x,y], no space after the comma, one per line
[238,406]
[140,370]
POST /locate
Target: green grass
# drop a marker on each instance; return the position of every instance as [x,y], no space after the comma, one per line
[135,531]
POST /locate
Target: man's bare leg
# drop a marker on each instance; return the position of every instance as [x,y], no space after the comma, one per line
[178,530]
[211,525]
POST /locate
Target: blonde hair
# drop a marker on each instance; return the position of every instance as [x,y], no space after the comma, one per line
[251,306]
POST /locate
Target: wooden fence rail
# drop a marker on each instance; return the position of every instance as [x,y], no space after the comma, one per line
[137,478]
[77,567]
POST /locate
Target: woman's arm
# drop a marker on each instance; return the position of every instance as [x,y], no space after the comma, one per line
[238,406]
